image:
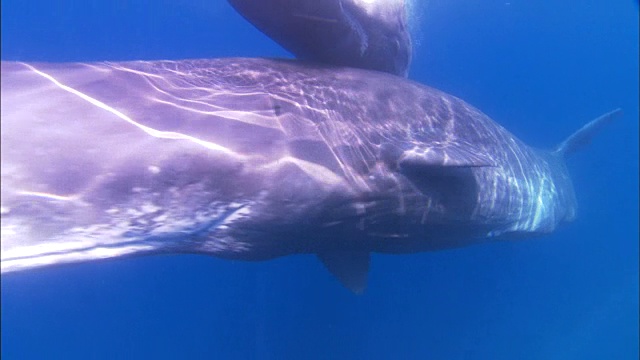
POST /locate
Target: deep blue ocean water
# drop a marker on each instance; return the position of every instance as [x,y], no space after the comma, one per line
[540,68]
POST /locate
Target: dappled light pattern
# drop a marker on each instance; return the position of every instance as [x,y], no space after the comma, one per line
[253,159]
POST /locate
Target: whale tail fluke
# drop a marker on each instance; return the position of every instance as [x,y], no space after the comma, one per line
[583,136]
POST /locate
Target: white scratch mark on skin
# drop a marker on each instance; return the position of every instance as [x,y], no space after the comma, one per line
[153,132]
[47,195]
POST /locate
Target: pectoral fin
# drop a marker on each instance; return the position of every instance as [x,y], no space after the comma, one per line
[446,174]
[350,267]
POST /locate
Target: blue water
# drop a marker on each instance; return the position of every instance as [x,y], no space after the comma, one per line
[540,68]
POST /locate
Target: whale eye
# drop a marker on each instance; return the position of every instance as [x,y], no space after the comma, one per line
[277,109]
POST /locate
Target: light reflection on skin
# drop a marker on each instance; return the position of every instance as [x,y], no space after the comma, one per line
[275,138]
[148,130]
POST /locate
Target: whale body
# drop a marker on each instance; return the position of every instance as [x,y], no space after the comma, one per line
[253,159]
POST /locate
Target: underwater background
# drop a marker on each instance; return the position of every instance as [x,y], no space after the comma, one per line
[540,68]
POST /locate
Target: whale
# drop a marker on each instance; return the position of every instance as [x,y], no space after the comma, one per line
[364,34]
[254,159]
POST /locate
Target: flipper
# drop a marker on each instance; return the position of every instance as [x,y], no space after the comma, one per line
[350,267]
[444,173]
[583,136]
[419,158]
[367,35]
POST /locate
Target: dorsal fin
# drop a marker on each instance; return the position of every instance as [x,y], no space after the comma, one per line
[583,136]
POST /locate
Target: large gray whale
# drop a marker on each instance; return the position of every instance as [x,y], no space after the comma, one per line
[254,159]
